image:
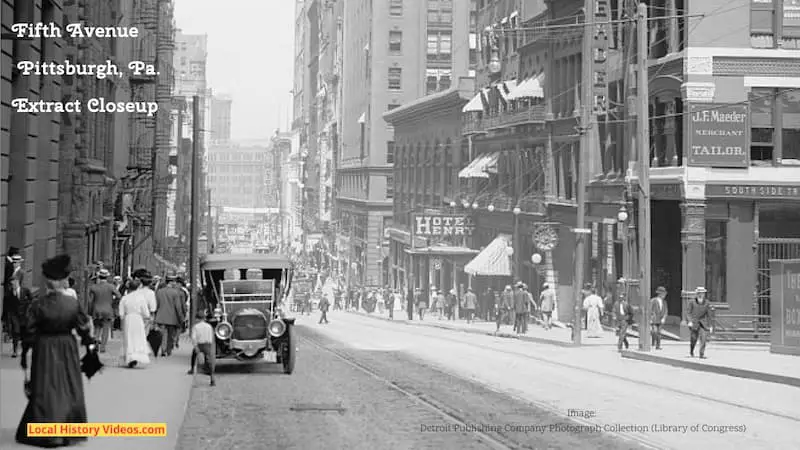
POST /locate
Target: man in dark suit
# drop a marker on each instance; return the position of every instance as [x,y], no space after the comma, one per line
[15,309]
[623,313]
[102,296]
[170,312]
[699,318]
[658,315]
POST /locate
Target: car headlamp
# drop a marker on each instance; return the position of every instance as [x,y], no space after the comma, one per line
[224,331]
[276,328]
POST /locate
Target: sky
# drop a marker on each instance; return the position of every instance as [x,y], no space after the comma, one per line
[250,58]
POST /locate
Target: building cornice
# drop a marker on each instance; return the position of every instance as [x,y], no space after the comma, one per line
[462,93]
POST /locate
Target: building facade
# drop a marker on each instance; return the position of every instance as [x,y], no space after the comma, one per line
[722,173]
[430,151]
[237,175]
[220,118]
[386,64]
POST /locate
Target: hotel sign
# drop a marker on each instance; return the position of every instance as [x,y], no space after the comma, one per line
[601,19]
[753,191]
[442,225]
[719,135]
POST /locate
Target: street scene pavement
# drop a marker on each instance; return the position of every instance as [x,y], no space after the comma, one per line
[156,393]
[658,404]
[366,394]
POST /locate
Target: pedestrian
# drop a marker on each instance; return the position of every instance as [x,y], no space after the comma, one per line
[203,343]
[593,305]
[531,306]
[102,296]
[390,303]
[16,303]
[410,302]
[55,387]
[699,322]
[624,318]
[170,311]
[441,301]
[13,265]
[469,304]
[487,305]
[507,303]
[420,302]
[547,300]
[135,311]
[658,316]
[452,303]
[520,307]
[324,304]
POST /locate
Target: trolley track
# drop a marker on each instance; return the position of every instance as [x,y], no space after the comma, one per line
[615,377]
[493,439]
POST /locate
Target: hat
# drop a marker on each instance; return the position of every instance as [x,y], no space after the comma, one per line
[700,289]
[57,268]
[661,290]
[453,291]
[520,284]
[508,286]
[171,276]
[117,278]
[142,274]
[545,286]
[16,258]
[103,273]
[524,286]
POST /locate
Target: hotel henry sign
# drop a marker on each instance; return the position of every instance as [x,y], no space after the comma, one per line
[439,225]
[719,135]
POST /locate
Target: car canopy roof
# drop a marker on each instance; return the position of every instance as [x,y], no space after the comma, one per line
[217,261]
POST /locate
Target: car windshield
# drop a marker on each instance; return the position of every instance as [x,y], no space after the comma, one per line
[248,290]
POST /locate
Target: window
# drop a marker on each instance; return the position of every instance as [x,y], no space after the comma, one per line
[439,45]
[716,237]
[431,81]
[395,78]
[395,7]
[771,139]
[395,41]
[445,79]
[389,187]
[390,152]
[775,23]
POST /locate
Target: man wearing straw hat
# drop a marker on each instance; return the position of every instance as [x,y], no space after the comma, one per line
[102,298]
[699,317]
[658,315]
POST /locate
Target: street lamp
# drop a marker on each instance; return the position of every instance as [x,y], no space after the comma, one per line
[452,204]
[490,208]
[536,258]
[517,211]
[622,215]
[475,205]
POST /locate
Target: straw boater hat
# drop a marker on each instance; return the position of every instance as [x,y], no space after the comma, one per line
[661,290]
[103,273]
[57,268]
[700,289]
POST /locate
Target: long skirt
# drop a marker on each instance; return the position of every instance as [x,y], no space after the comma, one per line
[56,389]
[134,340]
[593,322]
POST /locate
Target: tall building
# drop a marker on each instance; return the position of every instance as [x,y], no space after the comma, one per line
[386,64]
[220,119]
[237,175]
[190,59]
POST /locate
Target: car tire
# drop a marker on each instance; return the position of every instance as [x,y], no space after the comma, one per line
[289,352]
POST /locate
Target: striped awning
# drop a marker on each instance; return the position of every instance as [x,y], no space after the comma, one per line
[494,260]
[529,88]
[505,88]
[477,104]
[481,166]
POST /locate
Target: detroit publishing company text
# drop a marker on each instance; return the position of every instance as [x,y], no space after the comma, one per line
[578,428]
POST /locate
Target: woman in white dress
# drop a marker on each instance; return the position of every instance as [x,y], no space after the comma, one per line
[135,311]
[593,305]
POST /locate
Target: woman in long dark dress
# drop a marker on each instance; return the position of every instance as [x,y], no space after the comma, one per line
[56,383]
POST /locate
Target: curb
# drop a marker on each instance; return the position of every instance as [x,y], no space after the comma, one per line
[721,370]
[470,331]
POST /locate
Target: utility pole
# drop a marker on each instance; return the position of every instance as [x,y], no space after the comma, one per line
[643,143]
[580,230]
[209,224]
[194,268]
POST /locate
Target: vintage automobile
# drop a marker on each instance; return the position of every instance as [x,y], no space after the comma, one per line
[246,292]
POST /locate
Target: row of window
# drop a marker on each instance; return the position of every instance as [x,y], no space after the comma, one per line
[238,156]
[775,23]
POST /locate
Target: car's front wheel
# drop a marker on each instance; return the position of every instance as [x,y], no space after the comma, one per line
[289,349]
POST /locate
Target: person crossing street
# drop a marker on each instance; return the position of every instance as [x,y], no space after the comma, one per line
[324,304]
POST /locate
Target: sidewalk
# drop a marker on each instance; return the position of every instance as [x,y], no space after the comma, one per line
[561,337]
[157,393]
[742,360]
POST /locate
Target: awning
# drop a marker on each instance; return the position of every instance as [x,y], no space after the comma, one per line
[530,88]
[477,102]
[363,118]
[494,260]
[505,88]
[481,166]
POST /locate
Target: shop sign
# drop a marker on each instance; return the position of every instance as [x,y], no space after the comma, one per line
[753,191]
[719,135]
[787,322]
[443,225]
[600,55]
[666,191]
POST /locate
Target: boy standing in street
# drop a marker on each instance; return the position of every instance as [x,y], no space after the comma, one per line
[203,341]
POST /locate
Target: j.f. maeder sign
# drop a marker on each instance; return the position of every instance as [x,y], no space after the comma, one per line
[442,225]
[719,135]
